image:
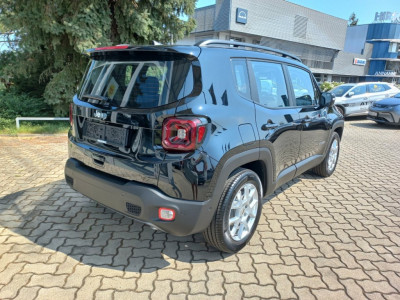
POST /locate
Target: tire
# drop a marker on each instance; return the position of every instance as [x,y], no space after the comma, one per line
[328,165]
[220,234]
[340,109]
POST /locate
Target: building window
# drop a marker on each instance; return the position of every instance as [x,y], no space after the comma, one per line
[300,26]
[393,48]
[393,66]
[317,77]
[234,39]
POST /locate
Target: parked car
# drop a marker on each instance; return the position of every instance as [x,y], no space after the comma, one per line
[386,111]
[355,99]
[190,139]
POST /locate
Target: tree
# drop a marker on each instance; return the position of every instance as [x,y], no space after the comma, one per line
[56,33]
[352,20]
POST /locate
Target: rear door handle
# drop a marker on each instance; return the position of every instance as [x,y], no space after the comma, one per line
[269,126]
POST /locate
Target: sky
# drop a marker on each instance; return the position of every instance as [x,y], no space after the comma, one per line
[364,9]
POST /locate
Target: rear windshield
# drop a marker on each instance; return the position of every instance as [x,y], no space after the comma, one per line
[138,84]
[340,90]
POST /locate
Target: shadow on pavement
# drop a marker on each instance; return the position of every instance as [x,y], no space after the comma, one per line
[56,217]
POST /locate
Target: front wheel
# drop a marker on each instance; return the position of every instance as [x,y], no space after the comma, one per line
[237,214]
[328,165]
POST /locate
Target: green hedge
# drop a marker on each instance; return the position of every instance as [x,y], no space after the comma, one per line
[327,86]
[13,104]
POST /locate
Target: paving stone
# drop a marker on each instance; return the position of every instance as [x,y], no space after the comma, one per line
[264,274]
[286,270]
[284,287]
[146,281]
[87,291]
[255,290]
[56,293]
[104,294]
[47,280]
[243,278]
[174,275]
[118,283]
[330,278]
[304,293]
[308,282]
[370,286]
[75,279]
[12,288]
[329,294]
[9,271]
[215,283]
[357,274]
[329,238]
[27,293]
[39,268]
[353,289]
[180,287]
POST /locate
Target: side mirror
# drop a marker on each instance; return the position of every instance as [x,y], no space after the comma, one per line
[327,99]
[350,94]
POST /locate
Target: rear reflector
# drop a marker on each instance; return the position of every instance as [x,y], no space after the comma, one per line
[166,214]
[71,114]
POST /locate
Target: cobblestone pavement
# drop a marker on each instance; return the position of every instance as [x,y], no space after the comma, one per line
[333,238]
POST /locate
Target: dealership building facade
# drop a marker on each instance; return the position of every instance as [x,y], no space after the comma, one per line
[320,40]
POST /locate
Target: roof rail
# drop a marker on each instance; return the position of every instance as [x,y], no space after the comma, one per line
[247,45]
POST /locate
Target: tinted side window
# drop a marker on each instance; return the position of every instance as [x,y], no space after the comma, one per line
[386,87]
[271,85]
[304,90]
[362,89]
[241,76]
[376,88]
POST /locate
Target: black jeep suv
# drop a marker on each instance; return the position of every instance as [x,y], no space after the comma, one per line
[190,139]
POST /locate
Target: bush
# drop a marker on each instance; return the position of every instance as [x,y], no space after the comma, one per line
[327,86]
[13,104]
[6,123]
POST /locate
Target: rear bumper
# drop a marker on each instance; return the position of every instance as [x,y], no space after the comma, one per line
[137,200]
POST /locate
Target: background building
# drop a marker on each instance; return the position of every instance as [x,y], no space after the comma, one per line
[317,38]
[384,61]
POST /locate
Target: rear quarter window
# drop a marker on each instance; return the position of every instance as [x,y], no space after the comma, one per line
[375,88]
[239,68]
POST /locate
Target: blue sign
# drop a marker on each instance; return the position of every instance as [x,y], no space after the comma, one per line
[359,61]
[241,15]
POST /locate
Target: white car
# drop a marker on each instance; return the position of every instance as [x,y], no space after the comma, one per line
[355,98]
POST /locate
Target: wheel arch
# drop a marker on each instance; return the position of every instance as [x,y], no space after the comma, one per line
[341,107]
[338,127]
[258,160]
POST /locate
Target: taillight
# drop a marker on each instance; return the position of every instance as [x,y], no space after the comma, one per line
[182,134]
[71,117]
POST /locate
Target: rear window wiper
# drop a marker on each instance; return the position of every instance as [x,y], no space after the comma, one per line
[97,97]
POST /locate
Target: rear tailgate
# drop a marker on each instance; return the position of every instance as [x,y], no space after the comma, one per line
[120,107]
